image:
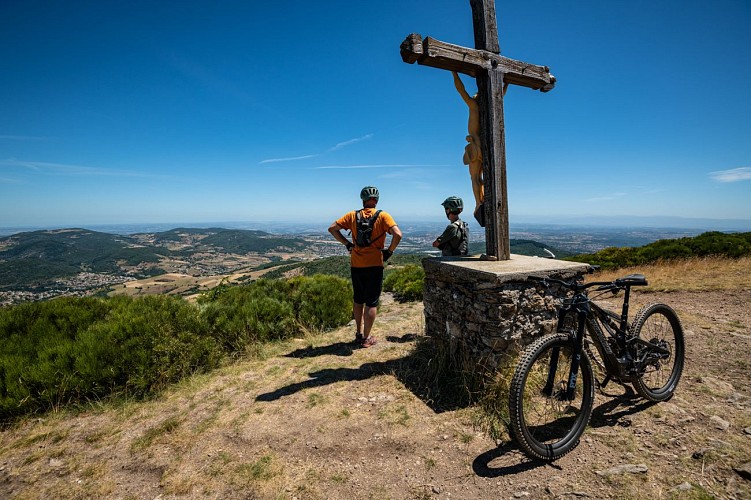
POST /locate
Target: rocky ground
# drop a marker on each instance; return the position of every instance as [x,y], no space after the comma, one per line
[315,418]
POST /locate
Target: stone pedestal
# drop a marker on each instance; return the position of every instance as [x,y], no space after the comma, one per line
[484,308]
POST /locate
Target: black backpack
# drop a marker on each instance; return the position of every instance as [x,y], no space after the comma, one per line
[462,248]
[365,228]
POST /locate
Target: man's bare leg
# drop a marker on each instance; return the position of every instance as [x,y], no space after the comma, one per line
[357,310]
[369,318]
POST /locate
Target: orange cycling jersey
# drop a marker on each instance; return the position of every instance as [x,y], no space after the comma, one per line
[371,255]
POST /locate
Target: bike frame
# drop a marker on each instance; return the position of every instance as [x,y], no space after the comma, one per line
[591,315]
[619,364]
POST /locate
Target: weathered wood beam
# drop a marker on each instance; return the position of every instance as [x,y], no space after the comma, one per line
[442,55]
[486,25]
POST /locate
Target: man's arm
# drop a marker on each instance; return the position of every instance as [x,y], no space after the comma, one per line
[336,231]
[448,234]
[396,237]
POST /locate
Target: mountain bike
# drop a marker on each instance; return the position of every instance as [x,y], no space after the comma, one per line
[553,386]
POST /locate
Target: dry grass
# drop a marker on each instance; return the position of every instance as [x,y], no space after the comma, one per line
[695,274]
[312,418]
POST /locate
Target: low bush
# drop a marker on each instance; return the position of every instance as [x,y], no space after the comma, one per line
[406,283]
[73,350]
[713,243]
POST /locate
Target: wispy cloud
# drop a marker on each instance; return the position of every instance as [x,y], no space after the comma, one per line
[67,169]
[349,167]
[732,175]
[337,147]
[350,142]
[291,158]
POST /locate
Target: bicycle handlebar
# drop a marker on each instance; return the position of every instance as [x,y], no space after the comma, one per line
[614,286]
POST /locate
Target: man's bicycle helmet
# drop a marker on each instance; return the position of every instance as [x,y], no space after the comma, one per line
[369,192]
[453,204]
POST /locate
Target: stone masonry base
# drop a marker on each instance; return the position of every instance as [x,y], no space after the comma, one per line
[485,308]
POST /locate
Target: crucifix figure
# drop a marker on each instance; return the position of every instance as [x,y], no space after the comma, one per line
[494,73]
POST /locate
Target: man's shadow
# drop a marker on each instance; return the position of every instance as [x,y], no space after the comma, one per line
[408,370]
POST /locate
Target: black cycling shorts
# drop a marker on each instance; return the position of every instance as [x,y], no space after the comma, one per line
[367,283]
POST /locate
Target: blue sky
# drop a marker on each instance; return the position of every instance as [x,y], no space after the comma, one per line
[210,111]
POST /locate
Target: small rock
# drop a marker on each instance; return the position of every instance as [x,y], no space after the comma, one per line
[747,430]
[521,494]
[736,398]
[717,386]
[683,487]
[436,490]
[624,469]
[719,423]
[700,453]
[744,471]
[624,422]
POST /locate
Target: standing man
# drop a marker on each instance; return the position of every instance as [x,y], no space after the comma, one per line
[455,238]
[369,228]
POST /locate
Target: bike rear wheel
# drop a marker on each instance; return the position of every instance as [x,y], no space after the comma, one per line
[544,423]
[657,325]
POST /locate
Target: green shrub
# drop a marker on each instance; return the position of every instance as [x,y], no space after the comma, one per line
[731,245]
[72,350]
[322,301]
[406,283]
[276,309]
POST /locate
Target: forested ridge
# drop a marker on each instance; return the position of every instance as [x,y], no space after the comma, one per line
[713,243]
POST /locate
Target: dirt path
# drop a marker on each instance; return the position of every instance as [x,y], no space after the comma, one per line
[318,419]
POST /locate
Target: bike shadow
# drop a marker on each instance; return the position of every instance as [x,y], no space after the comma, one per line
[504,460]
[613,411]
[509,459]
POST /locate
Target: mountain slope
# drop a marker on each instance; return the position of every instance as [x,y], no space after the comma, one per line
[38,258]
[314,418]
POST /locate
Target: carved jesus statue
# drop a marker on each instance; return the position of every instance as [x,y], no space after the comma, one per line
[473,150]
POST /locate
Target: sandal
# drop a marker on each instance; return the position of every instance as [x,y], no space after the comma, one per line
[358,338]
[370,341]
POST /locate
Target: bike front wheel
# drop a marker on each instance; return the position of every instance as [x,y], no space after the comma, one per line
[658,351]
[545,421]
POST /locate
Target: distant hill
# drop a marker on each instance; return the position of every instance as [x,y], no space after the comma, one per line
[712,243]
[339,265]
[33,259]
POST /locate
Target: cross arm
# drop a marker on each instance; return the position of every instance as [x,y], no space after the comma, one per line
[442,55]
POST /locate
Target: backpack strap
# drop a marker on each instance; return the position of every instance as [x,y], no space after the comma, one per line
[375,219]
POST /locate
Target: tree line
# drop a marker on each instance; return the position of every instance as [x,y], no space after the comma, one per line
[714,243]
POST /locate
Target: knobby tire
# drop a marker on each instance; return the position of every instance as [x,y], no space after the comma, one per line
[548,426]
[659,324]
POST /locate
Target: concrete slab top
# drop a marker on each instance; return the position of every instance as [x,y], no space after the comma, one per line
[519,267]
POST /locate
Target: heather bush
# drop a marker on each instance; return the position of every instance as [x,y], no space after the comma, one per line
[406,283]
[73,350]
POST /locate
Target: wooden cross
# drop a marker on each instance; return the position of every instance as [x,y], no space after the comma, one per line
[493,73]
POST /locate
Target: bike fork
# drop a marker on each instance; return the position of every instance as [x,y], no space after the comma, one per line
[575,360]
[577,352]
